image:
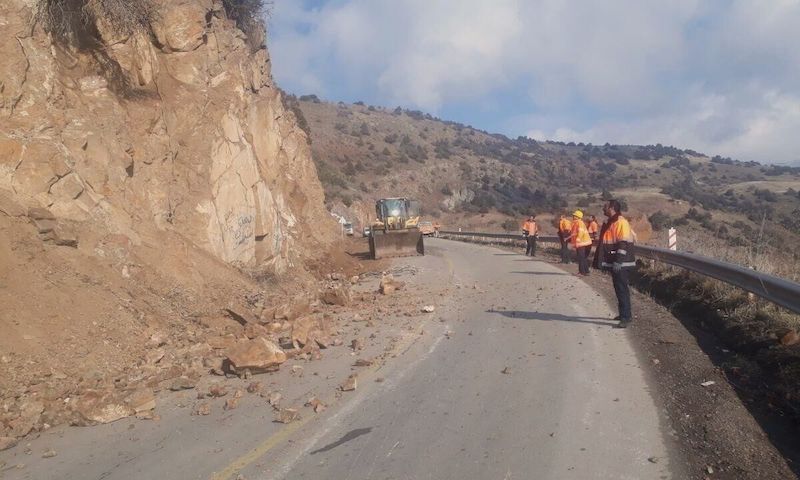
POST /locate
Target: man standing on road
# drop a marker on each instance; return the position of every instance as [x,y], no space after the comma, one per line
[615,253]
[531,232]
[579,237]
[564,229]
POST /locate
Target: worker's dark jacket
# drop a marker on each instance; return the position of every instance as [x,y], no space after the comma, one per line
[615,244]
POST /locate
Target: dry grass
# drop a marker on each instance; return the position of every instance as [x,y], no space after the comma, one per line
[74,22]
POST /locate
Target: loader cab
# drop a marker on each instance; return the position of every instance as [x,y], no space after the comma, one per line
[397,213]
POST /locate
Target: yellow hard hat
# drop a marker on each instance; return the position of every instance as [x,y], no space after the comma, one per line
[577,213]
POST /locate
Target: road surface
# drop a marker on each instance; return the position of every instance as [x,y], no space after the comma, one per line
[524,377]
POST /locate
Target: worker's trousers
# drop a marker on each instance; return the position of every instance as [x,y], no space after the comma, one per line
[621,281]
[564,249]
[531,245]
[583,260]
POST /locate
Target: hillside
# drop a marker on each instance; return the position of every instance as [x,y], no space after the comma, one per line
[150,178]
[467,177]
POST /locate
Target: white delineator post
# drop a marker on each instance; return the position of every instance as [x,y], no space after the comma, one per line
[673,239]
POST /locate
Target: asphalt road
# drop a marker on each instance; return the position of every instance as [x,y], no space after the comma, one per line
[518,375]
[530,381]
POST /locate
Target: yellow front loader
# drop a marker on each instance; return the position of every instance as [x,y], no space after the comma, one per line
[394,233]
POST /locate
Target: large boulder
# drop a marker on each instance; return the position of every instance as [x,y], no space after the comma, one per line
[257,356]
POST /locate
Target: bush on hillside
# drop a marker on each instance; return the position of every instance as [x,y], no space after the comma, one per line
[250,17]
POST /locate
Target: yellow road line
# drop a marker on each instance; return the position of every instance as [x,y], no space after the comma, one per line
[260,450]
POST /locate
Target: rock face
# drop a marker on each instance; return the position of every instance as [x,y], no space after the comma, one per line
[182,130]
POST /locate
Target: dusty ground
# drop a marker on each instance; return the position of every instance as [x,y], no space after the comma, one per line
[721,434]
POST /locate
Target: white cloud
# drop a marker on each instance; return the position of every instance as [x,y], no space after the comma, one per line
[714,75]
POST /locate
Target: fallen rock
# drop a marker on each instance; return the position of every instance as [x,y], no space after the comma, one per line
[183,383]
[202,408]
[287,415]
[337,294]
[428,309]
[216,390]
[316,404]
[362,362]
[357,344]
[350,384]
[311,328]
[354,279]
[29,416]
[231,403]
[389,285]
[7,442]
[254,387]
[790,338]
[274,399]
[257,356]
[42,219]
[141,400]
[49,453]
[97,406]
[240,314]
[223,342]
[254,330]
[297,370]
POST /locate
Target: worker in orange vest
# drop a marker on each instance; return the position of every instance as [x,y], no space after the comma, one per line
[581,242]
[564,230]
[615,253]
[531,233]
[592,227]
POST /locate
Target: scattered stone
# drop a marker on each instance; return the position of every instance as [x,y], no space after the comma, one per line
[656,361]
[790,338]
[311,328]
[350,384]
[316,404]
[337,294]
[389,285]
[49,453]
[506,370]
[231,403]
[337,276]
[354,279]
[708,383]
[274,399]
[379,380]
[258,355]
[653,459]
[363,362]
[7,442]
[202,408]
[97,406]
[254,387]
[183,383]
[297,370]
[287,415]
[357,344]
[222,342]
[428,309]
[240,314]
[239,393]
[216,390]
[141,400]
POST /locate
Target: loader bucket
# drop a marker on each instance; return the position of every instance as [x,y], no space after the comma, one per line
[395,243]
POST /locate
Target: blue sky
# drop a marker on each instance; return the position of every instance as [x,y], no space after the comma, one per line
[721,77]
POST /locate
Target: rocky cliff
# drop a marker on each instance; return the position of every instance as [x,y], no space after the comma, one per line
[150,181]
[176,126]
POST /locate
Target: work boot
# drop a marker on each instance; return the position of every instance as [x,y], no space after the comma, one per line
[623,323]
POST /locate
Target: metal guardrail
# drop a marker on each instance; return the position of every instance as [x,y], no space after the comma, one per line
[774,289]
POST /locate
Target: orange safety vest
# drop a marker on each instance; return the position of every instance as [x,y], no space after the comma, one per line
[580,235]
[530,227]
[564,225]
[593,228]
[618,243]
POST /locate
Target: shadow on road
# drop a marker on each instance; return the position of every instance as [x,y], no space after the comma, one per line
[550,317]
[352,434]
[542,273]
[506,254]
